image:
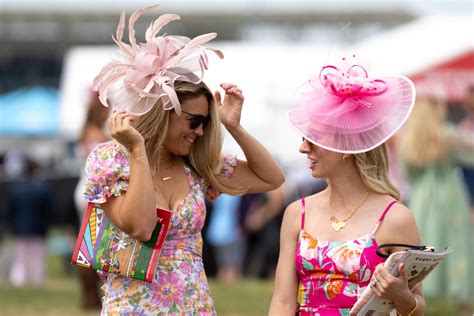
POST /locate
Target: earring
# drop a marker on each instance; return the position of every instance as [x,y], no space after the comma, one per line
[345,157]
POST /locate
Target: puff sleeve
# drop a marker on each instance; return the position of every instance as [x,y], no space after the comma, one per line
[107,172]
[229,163]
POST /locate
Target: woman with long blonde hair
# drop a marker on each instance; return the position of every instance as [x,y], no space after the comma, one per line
[430,149]
[329,239]
[166,152]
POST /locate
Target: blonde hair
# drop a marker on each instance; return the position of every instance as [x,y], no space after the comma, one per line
[205,155]
[373,169]
[423,141]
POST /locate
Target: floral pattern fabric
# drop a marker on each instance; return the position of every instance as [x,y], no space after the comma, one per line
[333,273]
[180,286]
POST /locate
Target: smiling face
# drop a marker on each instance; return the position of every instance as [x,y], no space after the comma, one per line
[180,137]
[323,163]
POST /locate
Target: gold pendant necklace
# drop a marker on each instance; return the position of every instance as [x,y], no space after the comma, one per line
[338,224]
[168,170]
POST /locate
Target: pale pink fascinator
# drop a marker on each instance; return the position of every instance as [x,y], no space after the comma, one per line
[346,111]
[151,69]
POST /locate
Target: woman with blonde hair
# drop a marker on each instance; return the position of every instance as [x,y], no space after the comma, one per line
[329,239]
[167,152]
[430,149]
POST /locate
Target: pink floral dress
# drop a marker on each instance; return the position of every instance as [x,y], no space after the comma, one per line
[332,273]
[180,287]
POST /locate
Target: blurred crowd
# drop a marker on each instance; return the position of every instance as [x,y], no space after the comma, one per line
[432,162]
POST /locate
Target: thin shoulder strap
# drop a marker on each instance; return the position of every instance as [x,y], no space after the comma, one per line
[191,175]
[382,217]
[302,213]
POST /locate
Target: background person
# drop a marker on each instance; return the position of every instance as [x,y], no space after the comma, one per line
[29,205]
[430,150]
[226,237]
[467,129]
[93,132]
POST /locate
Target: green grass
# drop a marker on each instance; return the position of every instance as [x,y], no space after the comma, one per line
[56,297]
[247,297]
[60,296]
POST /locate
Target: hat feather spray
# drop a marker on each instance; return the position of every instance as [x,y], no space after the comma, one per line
[149,70]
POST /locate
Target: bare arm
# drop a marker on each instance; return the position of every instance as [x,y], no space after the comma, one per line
[135,211]
[285,290]
[399,219]
[260,172]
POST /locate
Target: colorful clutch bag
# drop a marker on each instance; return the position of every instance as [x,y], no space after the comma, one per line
[102,246]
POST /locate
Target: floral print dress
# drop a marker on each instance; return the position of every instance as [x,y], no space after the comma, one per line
[180,286]
[333,273]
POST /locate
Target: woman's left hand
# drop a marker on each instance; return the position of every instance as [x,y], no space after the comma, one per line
[230,108]
[390,287]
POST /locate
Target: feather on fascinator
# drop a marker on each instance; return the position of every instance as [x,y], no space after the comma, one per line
[151,69]
[345,110]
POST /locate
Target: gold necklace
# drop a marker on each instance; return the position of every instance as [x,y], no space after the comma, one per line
[338,224]
[167,170]
[166,178]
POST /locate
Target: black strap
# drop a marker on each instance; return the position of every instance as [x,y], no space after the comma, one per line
[380,254]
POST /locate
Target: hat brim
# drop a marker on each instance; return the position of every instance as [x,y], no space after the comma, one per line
[354,125]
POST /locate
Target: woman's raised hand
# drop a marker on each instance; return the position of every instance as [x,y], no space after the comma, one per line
[230,108]
[121,130]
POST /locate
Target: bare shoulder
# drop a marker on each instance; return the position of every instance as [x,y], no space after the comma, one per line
[293,211]
[292,218]
[399,226]
[400,216]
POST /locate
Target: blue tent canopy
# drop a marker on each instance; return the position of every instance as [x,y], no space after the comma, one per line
[29,112]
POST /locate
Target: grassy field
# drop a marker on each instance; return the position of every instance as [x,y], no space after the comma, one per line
[60,296]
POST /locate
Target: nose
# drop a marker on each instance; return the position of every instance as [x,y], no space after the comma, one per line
[199,131]
[305,146]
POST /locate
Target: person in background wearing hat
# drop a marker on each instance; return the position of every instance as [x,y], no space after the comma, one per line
[329,239]
[166,152]
[431,149]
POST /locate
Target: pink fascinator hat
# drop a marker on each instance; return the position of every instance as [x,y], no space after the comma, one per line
[149,70]
[347,111]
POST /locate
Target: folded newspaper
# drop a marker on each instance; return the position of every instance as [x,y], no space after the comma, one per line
[418,264]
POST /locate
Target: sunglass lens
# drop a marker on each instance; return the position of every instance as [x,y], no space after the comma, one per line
[197,120]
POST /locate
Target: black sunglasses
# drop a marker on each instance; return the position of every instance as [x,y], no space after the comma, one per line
[197,119]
